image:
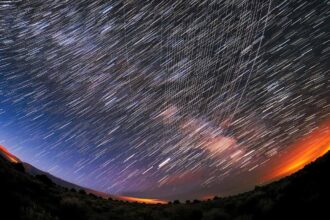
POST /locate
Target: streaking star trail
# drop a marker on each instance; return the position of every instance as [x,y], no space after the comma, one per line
[164,99]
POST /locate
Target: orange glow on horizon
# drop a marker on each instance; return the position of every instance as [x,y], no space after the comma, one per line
[142,200]
[301,153]
[207,197]
[12,158]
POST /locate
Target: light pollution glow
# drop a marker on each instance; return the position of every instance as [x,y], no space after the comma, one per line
[141,200]
[12,158]
[304,151]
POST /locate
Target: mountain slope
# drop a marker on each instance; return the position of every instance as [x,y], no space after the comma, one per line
[30,169]
[35,171]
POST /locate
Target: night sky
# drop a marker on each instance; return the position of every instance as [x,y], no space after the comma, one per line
[162,99]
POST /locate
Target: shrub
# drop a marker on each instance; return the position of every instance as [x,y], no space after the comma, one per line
[176,202]
[45,179]
[83,192]
[73,208]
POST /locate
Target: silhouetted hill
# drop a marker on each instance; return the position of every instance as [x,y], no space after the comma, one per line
[35,171]
[303,195]
[30,169]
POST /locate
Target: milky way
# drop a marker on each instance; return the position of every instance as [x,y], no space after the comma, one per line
[164,99]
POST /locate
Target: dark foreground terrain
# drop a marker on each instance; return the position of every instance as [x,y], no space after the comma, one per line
[303,195]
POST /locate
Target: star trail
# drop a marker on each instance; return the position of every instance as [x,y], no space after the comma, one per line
[162,99]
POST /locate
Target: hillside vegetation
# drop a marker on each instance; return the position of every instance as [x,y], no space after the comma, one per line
[303,195]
